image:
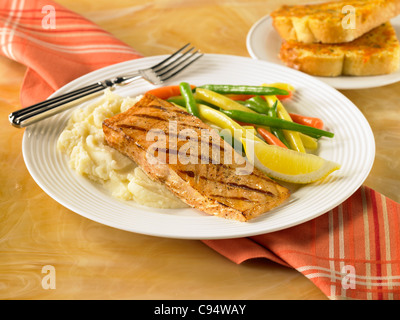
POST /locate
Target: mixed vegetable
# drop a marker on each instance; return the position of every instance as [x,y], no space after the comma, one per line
[240,107]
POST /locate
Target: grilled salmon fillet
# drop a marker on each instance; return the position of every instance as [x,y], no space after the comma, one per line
[155,134]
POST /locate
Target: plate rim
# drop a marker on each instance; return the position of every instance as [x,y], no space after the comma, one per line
[359,83]
[196,237]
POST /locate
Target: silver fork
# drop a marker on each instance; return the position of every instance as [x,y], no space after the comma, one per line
[156,75]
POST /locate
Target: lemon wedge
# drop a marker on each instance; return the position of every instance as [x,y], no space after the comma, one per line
[287,165]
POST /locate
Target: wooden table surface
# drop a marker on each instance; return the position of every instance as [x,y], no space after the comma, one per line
[93,261]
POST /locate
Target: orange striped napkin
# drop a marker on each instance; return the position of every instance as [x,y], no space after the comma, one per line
[56,45]
[351,252]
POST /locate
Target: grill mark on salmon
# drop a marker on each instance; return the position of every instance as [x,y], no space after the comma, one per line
[166,110]
[222,204]
[157,107]
[216,189]
[149,116]
[201,157]
[242,186]
[129,126]
[232,198]
[191,174]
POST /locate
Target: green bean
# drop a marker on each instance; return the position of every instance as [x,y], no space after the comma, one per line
[264,120]
[261,104]
[251,105]
[277,132]
[180,101]
[244,89]
[256,104]
[190,102]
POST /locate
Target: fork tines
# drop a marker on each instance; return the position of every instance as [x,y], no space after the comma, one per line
[178,61]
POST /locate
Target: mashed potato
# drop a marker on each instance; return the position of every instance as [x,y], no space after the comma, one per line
[90,156]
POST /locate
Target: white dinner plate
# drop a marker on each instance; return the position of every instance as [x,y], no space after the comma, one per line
[263,43]
[353,147]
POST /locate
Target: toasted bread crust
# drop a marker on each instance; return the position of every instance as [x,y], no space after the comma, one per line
[377,52]
[326,23]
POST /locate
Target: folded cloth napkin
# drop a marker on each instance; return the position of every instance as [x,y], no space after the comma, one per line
[350,252]
[56,45]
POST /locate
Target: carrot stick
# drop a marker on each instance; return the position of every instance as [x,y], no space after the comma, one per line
[285,97]
[270,138]
[244,123]
[308,121]
[285,86]
[167,92]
